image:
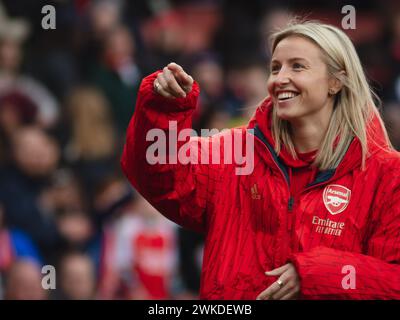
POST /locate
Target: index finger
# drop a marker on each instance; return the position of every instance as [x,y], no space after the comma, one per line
[183,78]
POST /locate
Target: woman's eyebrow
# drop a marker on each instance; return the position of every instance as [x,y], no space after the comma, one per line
[291,60]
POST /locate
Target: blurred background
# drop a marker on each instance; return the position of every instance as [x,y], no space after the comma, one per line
[66,97]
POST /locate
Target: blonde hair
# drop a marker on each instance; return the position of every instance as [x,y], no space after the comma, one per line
[354,103]
[93,134]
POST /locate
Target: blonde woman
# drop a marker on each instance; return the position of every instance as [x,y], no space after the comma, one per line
[92,145]
[319,217]
[93,133]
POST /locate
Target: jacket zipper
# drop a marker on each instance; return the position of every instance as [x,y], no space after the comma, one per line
[291,199]
[290,203]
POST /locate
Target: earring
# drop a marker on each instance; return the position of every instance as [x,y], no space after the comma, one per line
[331,92]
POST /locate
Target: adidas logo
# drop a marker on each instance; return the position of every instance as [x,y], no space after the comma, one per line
[254,193]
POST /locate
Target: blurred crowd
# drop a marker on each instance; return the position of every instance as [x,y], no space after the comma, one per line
[66,98]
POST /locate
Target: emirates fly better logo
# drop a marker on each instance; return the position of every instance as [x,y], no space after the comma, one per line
[336,198]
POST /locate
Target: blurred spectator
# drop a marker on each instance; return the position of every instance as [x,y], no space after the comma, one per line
[140,256]
[118,75]
[35,157]
[207,70]
[113,195]
[64,192]
[92,145]
[254,86]
[104,16]
[76,227]
[24,282]
[77,278]
[100,17]
[35,153]
[247,83]
[12,35]
[16,110]
[14,245]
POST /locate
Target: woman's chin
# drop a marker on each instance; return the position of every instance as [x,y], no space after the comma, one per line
[285,115]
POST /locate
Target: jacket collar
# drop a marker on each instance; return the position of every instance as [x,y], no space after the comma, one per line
[261,124]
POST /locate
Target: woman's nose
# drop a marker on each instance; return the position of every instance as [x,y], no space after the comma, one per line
[283,77]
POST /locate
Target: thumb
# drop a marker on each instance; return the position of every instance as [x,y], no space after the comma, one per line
[277,271]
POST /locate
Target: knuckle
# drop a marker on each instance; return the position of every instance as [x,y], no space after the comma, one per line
[293,283]
[291,286]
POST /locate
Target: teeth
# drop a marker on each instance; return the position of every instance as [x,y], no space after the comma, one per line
[286,95]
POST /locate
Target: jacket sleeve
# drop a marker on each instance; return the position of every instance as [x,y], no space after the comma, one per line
[327,273]
[177,190]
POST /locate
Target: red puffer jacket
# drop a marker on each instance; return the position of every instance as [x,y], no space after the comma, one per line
[343,228]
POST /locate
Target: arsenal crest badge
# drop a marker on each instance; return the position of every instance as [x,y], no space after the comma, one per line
[336,198]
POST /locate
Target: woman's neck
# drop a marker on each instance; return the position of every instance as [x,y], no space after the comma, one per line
[307,136]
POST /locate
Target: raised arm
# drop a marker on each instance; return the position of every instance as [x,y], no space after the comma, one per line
[179,191]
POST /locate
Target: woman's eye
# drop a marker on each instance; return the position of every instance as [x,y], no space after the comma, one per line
[274,69]
[297,66]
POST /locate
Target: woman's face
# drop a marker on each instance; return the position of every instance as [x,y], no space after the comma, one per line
[299,80]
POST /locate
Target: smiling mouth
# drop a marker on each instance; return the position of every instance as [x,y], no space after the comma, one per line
[285,96]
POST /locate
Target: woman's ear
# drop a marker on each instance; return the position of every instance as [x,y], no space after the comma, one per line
[336,82]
